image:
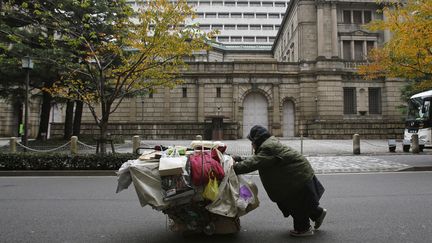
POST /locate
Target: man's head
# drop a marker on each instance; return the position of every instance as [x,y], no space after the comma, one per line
[257,135]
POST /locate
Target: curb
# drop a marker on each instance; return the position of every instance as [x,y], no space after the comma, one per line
[58,173]
[416,168]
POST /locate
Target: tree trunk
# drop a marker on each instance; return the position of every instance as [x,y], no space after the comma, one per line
[68,120]
[77,118]
[103,136]
[44,116]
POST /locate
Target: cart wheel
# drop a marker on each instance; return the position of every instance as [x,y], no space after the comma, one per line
[209,229]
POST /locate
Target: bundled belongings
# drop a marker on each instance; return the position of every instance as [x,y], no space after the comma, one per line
[197,189]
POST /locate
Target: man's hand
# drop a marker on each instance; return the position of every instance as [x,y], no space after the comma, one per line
[236,158]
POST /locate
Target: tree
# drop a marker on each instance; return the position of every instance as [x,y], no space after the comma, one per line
[23,33]
[120,56]
[408,54]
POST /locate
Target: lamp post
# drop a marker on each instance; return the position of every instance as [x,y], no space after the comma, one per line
[27,64]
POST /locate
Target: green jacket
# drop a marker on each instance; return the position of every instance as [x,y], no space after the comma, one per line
[283,171]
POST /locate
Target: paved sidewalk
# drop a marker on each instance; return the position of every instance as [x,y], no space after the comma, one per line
[326,156]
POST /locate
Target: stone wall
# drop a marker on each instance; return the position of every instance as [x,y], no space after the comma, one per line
[147,131]
[371,129]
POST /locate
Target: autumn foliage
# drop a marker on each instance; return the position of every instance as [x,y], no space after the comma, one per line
[408,54]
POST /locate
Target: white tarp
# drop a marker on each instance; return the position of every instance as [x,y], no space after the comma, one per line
[146,179]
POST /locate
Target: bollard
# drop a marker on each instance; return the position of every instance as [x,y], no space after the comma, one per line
[415,144]
[74,145]
[12,144]
[301,143]
[356,144]
[136,141]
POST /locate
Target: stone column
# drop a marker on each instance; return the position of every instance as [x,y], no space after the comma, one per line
[200,101]
[276,126]
[320,29]
[364,50]
[352,50]
[334,31]
[235,97]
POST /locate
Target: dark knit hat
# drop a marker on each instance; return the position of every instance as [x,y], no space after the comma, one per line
[258,134]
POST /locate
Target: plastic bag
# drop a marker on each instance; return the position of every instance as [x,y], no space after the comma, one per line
[247,200]
[211,190]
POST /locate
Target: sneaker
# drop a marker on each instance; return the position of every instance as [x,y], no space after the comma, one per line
[296,233]
[320,219]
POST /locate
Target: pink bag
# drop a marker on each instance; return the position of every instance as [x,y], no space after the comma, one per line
[202,164]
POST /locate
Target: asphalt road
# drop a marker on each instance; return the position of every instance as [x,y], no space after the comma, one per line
[378,207]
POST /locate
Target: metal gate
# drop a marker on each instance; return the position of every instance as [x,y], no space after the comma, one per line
[254,112]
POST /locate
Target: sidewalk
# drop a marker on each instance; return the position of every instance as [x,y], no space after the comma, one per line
[325,156]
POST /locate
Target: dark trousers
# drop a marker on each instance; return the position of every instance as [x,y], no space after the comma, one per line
[304,205]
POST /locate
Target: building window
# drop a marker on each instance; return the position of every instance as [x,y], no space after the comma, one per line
[255,27]
[374,100]
[217,27]
[261,39]
[255,4]
[242,4]
[231,4]
[223,15]
[236,15]
[346,50]
[367,16]
[151,95]
[267,27]
[261,15]
[267,4]
[184,91]
[248,15]
[229,27]
[242,27]
[200,15]
[369,46]
[357,17]
[347,17]
[204,27]
[279,4]
[217,3]
[271,39]
[249,39]
[350,104]
[277,27]
[223,38]
[210,15]
[273,16]
[236,39]
[358,50]
[218,92]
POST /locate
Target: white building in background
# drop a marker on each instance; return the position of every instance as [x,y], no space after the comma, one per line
[240,22]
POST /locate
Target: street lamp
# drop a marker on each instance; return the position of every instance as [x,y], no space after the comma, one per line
[27,64]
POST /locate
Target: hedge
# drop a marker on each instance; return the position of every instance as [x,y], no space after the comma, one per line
[35,161]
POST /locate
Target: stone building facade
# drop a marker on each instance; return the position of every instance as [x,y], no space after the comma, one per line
[305,85]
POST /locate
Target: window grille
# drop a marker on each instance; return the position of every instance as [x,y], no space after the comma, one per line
[374,100]
[218,92]
[184,91]
[350,104]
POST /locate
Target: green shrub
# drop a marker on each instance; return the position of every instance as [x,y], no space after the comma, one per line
[54,161]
